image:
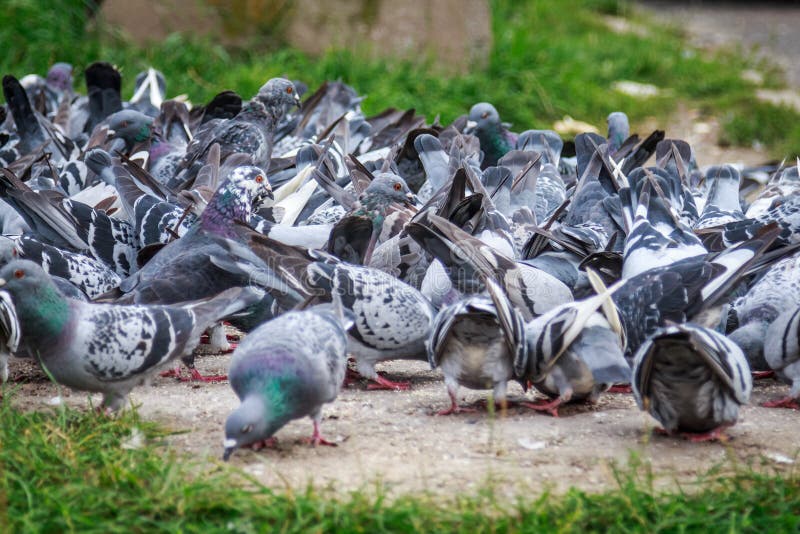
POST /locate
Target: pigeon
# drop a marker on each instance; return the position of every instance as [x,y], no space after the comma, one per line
[618,131]
[285,369]
[477,342]
[496,140]
[392,320]
[782,353]
[105,348]
[692,380]
[574,351]
[723,205]
[251,130]
[776,291]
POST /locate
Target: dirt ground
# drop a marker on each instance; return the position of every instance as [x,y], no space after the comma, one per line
[394,438]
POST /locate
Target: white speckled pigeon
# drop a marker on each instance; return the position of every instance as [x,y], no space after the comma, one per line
[285,369]
[782,353]
[106,348]
[392,319]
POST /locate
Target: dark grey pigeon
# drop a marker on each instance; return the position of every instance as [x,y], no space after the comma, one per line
[692,380]
[251,131]
[285,369]
[105,348]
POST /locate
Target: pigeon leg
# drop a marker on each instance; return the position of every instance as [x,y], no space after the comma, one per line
[550,407]
[269,443]
[717,434]
[175,372]
[384,383]
[620,388]
[454,407]
[786,402]
[197,377]
[316,438]
[758,375]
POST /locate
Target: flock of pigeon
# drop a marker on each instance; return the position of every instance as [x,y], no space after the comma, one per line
[135,229]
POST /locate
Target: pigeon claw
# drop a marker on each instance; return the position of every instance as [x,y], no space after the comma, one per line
[550,407]
[716,434]
[620,388]
[175,372]
[786,402]
[385,383]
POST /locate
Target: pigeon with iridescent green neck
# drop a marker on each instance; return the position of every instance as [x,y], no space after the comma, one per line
[106,348]
[496,141]
[285,369]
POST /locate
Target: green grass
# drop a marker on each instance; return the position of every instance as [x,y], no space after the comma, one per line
[68,471]
[549,59]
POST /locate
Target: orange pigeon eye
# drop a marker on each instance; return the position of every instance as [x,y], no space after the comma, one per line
[260,179]
[397,186]
[19,273]
[485,114]
[289,90]
[14,253]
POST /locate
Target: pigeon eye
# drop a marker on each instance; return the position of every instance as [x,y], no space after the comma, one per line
[246,429]
[14,253]
[397,186]
[124,124]
[289,90]
[260,179]
[485,114]
[19,273]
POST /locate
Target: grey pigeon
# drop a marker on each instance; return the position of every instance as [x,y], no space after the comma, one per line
[782,353]
[477,342]
[575,352]
[285,369]
[775,292]
[723,205]
[692,380]
[105,348]
[496,140]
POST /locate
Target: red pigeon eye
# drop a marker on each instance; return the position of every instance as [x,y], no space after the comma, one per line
[19,273]
[124,124]
[397,186]
[14,253]
[289,90]
[259,179]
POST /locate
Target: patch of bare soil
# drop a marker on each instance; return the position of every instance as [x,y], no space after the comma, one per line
[393,438]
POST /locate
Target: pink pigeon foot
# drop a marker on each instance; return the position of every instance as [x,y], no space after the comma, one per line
[758,375]
[786,402]
[384,383]
[620,388]
[197,377]
[175,372]
[550,407]
[317,439]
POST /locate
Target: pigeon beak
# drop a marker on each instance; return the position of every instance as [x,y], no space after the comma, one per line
[297,100]
[471,125]
[412,199]
[230,446]
[111,133]
[2,282]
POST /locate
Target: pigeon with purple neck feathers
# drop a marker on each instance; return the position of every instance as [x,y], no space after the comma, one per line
[106,348]
[285,369]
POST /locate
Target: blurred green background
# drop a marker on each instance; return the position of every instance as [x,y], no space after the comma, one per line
[544,60]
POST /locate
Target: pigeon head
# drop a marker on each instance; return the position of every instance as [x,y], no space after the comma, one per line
[483,117]
[40,306]
[387,188]
[278,94]
[244,190]
[618,129]
[245,425]
[8,251]
[59,77]
[131,126]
